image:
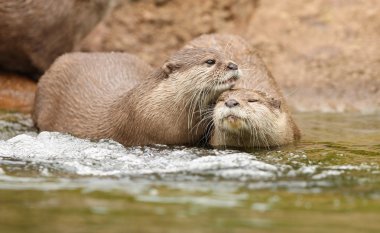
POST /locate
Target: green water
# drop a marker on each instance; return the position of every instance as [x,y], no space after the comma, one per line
[339,191]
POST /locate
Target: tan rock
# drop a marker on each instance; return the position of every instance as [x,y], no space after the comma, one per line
[153,29]
[324,54]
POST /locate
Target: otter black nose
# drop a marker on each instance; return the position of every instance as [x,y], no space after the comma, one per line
[231,103]
[232,66]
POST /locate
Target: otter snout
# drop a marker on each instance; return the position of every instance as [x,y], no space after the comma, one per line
[231,103]
[232,66]
[231,76]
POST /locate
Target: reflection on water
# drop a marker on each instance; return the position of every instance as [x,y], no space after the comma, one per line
[331,178]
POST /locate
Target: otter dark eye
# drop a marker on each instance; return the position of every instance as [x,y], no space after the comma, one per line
[210,61]
[252,100]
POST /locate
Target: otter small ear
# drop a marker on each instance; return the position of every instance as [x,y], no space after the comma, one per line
[169,67]
[275,103]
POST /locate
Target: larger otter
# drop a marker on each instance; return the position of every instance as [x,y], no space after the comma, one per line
[91,96]
[34,33]
[257,77]
[256,74]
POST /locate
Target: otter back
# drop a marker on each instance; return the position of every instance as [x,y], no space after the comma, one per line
[96,96]
[76,93]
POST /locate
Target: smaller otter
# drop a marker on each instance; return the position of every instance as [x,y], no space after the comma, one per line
[251,119]
[117,96]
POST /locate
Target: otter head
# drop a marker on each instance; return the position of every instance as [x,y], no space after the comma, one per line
[248,118]
[201,72]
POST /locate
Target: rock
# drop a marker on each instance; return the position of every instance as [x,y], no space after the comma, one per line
[16,93]
[34,33]
[324,54]
[153,29]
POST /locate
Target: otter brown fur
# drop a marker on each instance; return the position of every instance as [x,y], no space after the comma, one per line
[91,96]
[255,74]
[251,119]
[34,33]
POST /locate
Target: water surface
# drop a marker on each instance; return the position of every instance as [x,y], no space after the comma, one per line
[329,182]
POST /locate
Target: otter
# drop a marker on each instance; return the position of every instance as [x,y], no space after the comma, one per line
[251,119]
[117,96]
[255,74]
[34,33]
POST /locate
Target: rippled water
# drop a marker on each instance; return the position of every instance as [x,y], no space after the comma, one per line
[329,182]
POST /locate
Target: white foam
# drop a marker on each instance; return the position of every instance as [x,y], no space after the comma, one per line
[108,158]
[66,162]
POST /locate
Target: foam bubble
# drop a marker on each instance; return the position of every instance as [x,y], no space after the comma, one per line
[108,158]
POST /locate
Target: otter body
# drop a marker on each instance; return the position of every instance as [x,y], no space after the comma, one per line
[34,33]
[117,96]
[78,92]
[255,76]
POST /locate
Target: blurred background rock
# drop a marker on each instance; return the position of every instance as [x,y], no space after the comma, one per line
[323,53]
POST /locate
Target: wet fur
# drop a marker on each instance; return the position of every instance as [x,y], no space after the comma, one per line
[255,76]
[262,124]
[118,96]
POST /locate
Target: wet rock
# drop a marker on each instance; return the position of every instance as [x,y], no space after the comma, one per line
[16,93]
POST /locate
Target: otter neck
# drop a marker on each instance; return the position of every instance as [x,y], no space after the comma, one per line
[161,103]
[241,139]
[260,137]
[172,95]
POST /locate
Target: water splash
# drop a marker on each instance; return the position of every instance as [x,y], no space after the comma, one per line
[53,160]
[108,158]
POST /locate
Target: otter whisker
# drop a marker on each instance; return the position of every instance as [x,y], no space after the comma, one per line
[204,119]
[210,128]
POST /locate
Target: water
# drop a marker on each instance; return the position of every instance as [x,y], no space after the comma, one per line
[330,182]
